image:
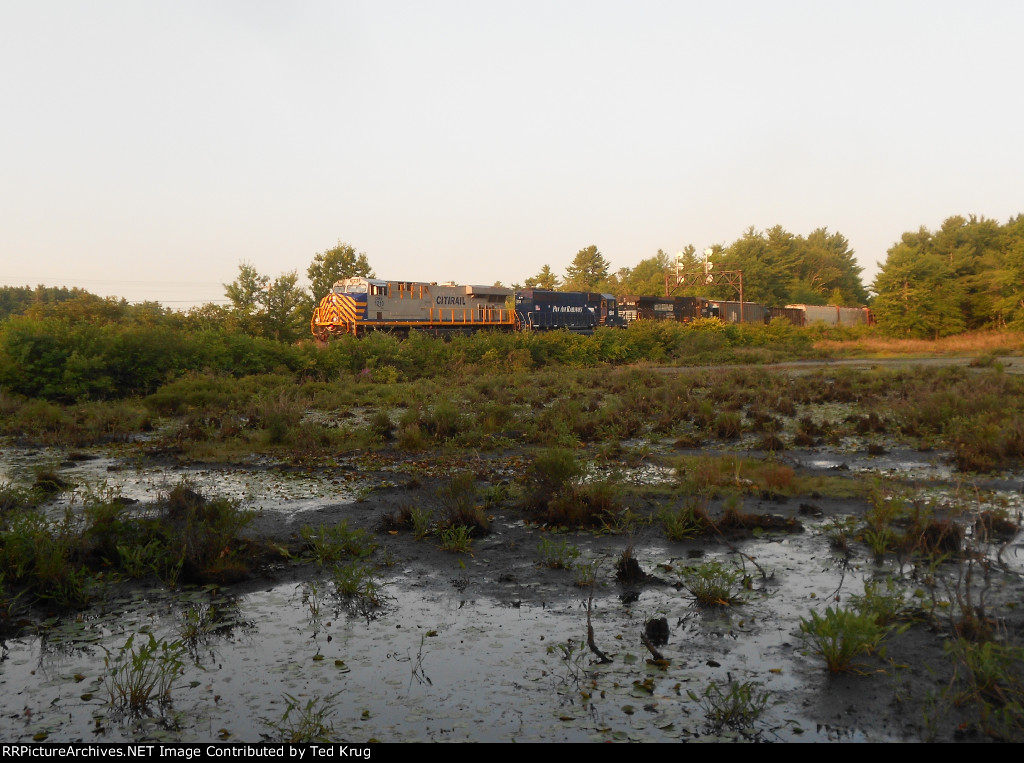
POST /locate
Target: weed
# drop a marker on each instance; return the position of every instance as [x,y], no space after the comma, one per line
[410,437]
[627,568]
[444,420]
[48,482]
[140,675]
[989,677]
[13,498]
[574,654]
[422,522]
[456,540]
[331,543]
[139,561]
[728,426]
[714,584]
[594,504]
[884,605]
[557,556]
[380,425]
[585,573]
[305,723]
[551,472]
[688,521]
[840,532]
[355,581]
[842,635]
[199,533]
[459,505]
[736,708]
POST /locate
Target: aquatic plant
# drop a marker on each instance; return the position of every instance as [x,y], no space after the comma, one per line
[842,635]
[455,540]
[332,543]
[304,723]
[714,584]
[557,556]
[138,675]
[737,707]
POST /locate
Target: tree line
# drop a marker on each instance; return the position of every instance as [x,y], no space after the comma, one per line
[967,275]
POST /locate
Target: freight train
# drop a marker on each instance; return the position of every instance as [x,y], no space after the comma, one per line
[356,306]
[686,309]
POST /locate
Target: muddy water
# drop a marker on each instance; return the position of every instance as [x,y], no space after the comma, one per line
[441,660]
[432,665]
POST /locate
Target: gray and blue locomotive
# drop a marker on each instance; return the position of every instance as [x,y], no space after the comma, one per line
[358,305]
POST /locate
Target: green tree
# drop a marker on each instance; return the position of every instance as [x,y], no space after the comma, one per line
[545,279]
[827,272]
[766,260]
[285,312]
[275,309]
[917,293]
[967,275]
[588,271]
[246,294]
[647,278]
[332,265]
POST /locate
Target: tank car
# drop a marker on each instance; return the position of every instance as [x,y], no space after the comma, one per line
[358,305]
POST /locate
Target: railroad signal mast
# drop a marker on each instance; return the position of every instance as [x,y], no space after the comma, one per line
[703,276]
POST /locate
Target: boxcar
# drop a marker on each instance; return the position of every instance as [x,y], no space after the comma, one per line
[729,312]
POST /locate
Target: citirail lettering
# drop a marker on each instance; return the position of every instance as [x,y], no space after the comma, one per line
[450,300]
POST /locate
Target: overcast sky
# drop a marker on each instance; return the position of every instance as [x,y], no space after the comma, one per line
[149,147]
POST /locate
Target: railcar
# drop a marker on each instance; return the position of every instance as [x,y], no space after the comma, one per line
[737,312]
[681,309]
[833,315]
[356,306]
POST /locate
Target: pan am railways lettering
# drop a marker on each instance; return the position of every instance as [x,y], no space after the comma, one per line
[450,300]
[564,309]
